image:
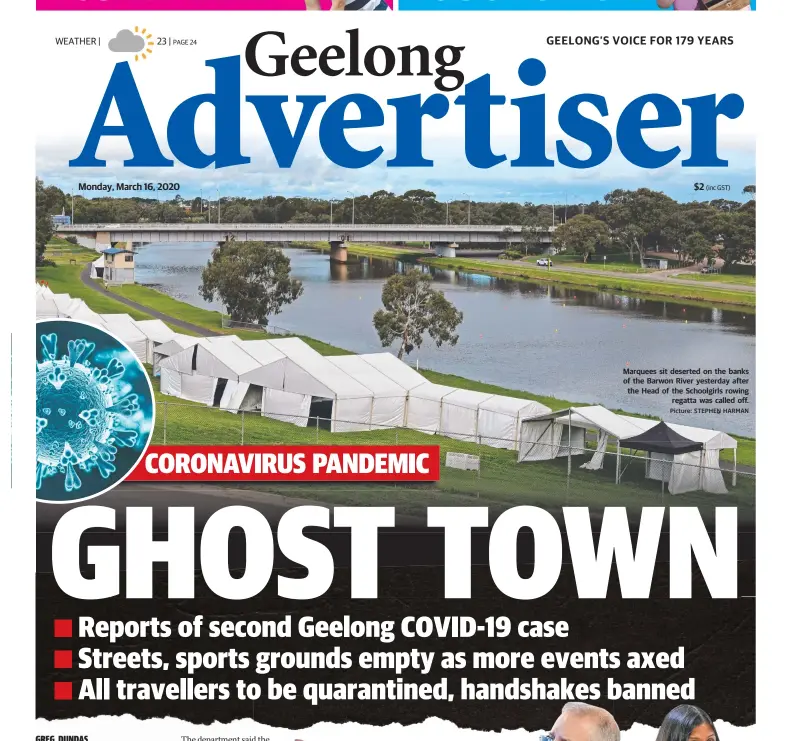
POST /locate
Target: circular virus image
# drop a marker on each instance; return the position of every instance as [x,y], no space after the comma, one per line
[94,411]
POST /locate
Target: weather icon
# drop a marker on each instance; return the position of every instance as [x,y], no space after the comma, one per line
[132,42]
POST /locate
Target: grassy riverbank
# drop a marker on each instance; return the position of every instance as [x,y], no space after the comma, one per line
[596,264]
[707,293]
[663,289]
[64,278]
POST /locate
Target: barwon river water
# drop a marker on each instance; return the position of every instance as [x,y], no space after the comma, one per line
[552,340]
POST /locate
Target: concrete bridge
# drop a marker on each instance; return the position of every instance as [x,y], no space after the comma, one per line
[444,238]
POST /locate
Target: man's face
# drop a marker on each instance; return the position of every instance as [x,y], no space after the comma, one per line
[570,727]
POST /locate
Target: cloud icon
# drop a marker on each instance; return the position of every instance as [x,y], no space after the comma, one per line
[126,41]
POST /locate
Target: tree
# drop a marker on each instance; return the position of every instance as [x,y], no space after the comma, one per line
[692,230]
[421,202]
[738,235]
[508,235]
[636,217]
[698,247]
[582,234]
[750,190]
[535,229]
[251,279]
[44,226]
[413,308]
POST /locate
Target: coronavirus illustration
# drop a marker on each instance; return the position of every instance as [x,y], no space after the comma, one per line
[85,412]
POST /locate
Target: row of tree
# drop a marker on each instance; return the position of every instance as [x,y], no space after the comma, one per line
[639,220]
[631,221]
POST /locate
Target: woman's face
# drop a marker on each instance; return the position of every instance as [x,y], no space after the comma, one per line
[704,732]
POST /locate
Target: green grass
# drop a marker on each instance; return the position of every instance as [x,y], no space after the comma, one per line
[66,279]
[611,267]
[740,280]
[62,252]
[665,289]
[501,483]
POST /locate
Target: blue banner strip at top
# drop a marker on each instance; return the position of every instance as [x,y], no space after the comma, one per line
[533,5]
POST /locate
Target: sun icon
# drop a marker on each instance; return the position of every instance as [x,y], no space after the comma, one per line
[149,46]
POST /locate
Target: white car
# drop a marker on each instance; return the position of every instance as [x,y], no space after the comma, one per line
[544,263]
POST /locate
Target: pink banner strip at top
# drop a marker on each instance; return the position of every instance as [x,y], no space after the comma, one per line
[172,4]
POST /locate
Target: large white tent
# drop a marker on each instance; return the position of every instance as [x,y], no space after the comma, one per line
[157,333]
[123,326]
[282,378]
[54,305]
[500,417]
[46,308]
[397,370]
[425,406]
[311,373]
[261,388]
[194,372]
[83,313]
[66,304]
[175,344]
[459,414]
[389,399]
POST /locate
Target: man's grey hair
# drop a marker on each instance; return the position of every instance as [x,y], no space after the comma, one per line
[606,728]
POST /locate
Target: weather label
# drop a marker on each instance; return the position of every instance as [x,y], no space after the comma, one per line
[136,42]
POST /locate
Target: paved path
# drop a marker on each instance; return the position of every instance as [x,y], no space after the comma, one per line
[85,277]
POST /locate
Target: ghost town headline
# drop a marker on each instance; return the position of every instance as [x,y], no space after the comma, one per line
[687,548]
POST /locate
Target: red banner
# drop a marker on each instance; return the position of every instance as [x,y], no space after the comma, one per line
[289,463]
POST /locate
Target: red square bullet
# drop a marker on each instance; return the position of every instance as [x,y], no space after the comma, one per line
[63,628]
[63,659]
[63,690]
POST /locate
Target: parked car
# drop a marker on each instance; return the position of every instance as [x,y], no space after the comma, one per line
[544,263]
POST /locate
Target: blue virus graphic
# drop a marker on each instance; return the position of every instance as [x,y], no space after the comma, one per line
[82,416]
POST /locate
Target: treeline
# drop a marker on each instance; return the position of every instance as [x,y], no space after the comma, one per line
[381,207]
[635,220]
[644,219]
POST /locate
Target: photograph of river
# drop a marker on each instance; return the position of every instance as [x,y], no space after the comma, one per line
[546,339]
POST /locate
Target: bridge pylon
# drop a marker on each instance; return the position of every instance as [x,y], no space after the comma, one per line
[338,251]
